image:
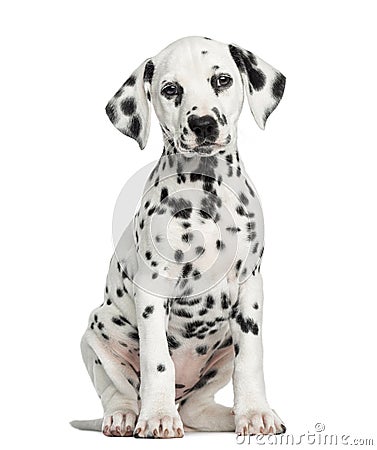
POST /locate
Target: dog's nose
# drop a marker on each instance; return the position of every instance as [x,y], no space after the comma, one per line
[205,127]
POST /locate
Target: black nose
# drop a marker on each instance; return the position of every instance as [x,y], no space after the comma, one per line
[204,127]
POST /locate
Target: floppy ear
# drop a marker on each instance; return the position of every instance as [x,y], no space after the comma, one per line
[129,108]
[264,85]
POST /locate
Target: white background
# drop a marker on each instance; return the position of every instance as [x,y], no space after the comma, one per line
[63,166]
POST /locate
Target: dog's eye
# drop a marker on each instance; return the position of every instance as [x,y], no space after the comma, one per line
[224,81]
[169,90]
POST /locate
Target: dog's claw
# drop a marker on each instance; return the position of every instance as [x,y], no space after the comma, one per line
[259,421]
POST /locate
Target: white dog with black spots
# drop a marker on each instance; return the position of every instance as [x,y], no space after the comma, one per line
[182,313]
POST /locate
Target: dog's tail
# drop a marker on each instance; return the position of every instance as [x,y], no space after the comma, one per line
[90,425]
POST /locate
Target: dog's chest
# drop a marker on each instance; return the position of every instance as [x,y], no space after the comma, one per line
[199,222]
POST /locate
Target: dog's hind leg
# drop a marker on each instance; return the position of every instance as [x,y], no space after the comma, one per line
[117,386]
[200,412]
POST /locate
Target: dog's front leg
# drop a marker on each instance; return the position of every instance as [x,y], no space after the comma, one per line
[158,414]
[253,414]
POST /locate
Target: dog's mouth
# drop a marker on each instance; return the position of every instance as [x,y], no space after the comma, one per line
[205,148]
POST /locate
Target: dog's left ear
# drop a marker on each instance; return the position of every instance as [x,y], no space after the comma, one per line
[264,85]
[129,108]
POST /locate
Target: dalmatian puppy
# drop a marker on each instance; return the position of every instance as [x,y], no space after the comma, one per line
[183,303]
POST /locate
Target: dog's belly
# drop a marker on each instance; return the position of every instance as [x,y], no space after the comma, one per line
[191,367]
[203,342]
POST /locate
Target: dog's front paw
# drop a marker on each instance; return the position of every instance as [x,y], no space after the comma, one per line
[118,424]
[259,421]
[159,425]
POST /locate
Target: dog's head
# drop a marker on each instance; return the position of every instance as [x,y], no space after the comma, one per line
[196,86]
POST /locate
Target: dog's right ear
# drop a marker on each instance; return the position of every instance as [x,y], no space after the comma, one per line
[129,108]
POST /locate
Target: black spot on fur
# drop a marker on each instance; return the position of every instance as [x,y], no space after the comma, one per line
[182,313]
[118,321]
[130,81]
[178,255]
[233,229]
[172,342]
[186,270]
[133,335]
[148,255]
[205,379]
[244,199]
[220,245]
[251,236]
[240,210]
[164,194]
[148,71]
[196,274]
[161,368]
[178,99]
[210,301]
[256,306]
[278,86]
[187,237]
[250,226]
[236,349]
[128,106]
[224,301]
[151,210]
[247,325]
[247,63]
[179,386]
[148,311]
[180,208]
[201,350]
[199,250]
[237,57]
[135,126]
[119,292]
[111,112]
